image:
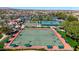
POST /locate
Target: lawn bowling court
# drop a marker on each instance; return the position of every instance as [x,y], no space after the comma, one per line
[37,37]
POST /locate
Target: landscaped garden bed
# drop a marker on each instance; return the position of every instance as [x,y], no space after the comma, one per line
[68,39]
[3,42]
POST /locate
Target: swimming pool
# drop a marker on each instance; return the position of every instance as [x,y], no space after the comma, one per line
[37,37]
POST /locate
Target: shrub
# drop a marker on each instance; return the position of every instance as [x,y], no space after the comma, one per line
[1,45]
[1,36]
[68,39]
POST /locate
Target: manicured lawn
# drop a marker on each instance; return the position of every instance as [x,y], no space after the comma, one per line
[68,39]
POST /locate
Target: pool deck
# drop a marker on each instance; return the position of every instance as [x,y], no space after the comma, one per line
[67,47]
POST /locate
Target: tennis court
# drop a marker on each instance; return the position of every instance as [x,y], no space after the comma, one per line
[37,37]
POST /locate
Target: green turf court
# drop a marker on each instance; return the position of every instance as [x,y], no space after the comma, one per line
[37,37]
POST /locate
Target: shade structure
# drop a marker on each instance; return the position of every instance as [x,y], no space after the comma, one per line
[49,46]
[61,46]
[14,45]
[27,45]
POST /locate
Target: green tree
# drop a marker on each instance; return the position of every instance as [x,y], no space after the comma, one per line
[72,28]
[61,15]
[72,18]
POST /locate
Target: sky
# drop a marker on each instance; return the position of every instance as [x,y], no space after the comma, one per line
[48,8]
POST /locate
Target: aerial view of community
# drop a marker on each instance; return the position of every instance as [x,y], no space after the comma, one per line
[37,29]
